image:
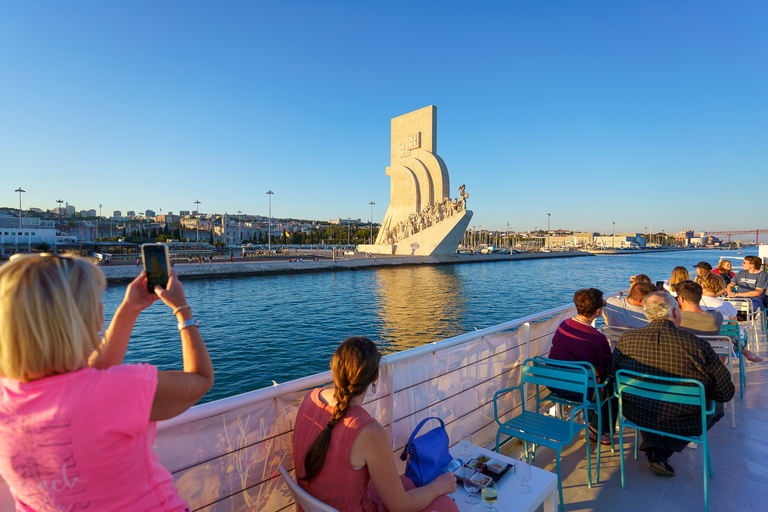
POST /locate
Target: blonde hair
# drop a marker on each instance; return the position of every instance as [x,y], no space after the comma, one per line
[679,274]
[712,283]
[50,315]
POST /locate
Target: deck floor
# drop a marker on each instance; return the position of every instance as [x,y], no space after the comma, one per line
[739,461]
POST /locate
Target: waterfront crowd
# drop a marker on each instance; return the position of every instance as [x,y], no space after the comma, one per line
[77,424]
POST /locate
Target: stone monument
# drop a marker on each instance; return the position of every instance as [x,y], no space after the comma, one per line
[421,219]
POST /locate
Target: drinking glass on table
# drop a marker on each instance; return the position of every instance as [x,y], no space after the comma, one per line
[523,473]
[465,443]
[489,494]
[472,486]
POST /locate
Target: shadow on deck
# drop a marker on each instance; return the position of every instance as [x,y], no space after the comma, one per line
[739,461]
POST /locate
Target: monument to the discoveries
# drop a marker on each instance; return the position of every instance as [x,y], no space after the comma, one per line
[421,220]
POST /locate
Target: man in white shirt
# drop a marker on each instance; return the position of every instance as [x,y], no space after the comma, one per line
[628,312]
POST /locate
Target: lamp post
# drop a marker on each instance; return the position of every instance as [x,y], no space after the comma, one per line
[614,235]
[547,231]
[59,201]
[269,235]
[197,219]
[239,228]
[20,190]
[372,203]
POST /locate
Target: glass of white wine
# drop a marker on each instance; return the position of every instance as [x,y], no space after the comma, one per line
[489,494]
[472,486]
[523,473]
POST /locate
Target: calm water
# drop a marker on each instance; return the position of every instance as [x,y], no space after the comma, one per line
[283,327]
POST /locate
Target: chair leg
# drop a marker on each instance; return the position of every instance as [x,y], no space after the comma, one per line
[560,482]
[621,446]
[637,432]
[498,435]
[706,466]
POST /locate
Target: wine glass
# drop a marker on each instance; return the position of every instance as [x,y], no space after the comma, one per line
[489,494]
[465,443]
[523,473]
[472,486]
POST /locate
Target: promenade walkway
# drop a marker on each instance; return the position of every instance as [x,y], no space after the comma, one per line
[739,460]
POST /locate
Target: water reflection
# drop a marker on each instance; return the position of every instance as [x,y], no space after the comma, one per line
[419,305]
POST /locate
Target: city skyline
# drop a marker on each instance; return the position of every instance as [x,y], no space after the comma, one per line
[642,114]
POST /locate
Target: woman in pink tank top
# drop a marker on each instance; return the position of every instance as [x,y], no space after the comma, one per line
[343,456]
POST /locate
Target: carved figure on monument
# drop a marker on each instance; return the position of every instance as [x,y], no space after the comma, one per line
[421,218]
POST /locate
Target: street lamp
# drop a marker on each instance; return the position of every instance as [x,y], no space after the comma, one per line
[614,235]
[59,201]
[269,235]
[197,219]
[547,231]
[19,190]
[239,224]
[372,203]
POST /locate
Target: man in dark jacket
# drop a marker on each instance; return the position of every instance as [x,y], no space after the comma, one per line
[661,349]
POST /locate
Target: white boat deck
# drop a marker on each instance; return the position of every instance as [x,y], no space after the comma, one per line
[739,461]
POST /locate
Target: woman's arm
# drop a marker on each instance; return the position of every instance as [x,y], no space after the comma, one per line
[374,447]
[177,391]
[115,344]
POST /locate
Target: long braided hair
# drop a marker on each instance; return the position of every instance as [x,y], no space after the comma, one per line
[355,365]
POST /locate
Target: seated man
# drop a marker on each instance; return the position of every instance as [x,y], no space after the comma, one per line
[695,320]
[752,282]
[661,349]
[628,312]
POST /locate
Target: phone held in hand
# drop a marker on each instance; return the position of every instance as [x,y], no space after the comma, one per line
[157,263]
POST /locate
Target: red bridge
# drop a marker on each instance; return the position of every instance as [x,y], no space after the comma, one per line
[757,233]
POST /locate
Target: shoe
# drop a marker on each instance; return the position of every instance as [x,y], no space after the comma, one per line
[657,463]
[604,439]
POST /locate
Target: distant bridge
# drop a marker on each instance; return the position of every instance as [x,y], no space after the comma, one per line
[757,233]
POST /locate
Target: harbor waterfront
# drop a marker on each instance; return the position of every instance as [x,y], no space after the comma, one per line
[282,327]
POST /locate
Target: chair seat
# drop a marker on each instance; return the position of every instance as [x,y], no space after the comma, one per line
[549,431]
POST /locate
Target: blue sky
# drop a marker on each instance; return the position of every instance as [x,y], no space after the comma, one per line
[641,113]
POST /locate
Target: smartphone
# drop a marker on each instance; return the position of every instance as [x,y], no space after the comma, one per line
[157,264]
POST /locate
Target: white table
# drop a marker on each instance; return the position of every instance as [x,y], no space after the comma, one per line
[543,486]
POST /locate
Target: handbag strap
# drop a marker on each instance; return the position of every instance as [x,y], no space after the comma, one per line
[403,455]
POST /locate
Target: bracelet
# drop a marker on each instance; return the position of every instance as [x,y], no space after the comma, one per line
[181,308]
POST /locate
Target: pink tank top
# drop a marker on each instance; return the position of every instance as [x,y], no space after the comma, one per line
[337,484]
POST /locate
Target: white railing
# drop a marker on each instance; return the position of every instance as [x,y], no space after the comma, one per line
[225,455]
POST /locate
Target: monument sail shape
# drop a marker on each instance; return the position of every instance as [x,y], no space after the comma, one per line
[421,219]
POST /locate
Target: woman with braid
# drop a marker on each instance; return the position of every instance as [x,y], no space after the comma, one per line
[343,456]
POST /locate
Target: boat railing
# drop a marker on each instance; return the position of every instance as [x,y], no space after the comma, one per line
[225,455]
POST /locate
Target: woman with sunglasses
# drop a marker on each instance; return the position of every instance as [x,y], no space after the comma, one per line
[76,425]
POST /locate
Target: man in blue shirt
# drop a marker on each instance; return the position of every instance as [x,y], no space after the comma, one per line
[752,282]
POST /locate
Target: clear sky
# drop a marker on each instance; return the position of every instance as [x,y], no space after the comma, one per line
[642,113]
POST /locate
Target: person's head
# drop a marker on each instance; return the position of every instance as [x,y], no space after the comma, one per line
[661,306]
[703,268]
[725,266]
[640,290]
[689,291]
[355,366]
[752,263]
[639,278]
[711,283]
[588,301]
[50,315]
[679,274]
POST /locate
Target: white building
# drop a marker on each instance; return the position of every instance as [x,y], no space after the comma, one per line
[33,232]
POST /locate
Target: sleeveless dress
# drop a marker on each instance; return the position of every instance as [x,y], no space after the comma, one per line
[337,484]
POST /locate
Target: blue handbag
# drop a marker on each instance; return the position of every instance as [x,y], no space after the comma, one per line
[427,455]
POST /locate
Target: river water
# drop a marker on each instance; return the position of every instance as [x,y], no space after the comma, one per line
[283,327]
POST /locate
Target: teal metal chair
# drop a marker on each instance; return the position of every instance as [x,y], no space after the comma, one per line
[665,389]
[595,405]
[733,331]
[542,429]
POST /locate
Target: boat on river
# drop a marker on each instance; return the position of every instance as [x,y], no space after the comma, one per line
[225,455]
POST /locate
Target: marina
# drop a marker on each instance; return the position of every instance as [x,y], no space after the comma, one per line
[449,346]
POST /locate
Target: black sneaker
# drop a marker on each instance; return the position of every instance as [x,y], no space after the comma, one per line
[658,464]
